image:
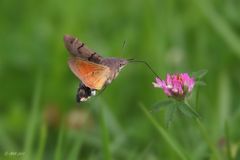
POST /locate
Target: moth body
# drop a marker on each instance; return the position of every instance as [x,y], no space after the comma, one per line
[94,71]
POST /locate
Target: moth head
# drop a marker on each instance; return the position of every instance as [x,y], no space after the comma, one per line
[115,64]
[122,63]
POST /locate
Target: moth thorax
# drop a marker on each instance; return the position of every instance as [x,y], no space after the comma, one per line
[115,65]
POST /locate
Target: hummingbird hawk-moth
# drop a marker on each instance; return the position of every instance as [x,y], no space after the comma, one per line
[94,71]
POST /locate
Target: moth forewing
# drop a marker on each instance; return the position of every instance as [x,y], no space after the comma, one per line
[92,75]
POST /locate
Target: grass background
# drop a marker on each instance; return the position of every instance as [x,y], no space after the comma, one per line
[40,119]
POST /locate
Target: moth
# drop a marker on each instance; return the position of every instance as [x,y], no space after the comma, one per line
[94,71]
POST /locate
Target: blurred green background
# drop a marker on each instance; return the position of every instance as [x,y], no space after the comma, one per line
[40,118]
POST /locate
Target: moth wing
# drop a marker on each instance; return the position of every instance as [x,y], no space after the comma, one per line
[78,49]
[91,74]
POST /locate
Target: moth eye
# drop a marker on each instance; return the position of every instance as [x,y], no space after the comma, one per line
[121,66]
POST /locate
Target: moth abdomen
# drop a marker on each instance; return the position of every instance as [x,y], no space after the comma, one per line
[84,93]
[78,49]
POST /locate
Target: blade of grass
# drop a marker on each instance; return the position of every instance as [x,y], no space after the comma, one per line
[79,137]
[114,126]
[133,154]
[42,142]
[143,153]
[33,118]
[58,151]
[6,142]
[205,132]
[164,134]
[220,25]
[105,137]
[228,141]
[224,102]
[208,140]
[73,155]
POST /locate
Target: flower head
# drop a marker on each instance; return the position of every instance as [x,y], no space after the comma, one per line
[176,85]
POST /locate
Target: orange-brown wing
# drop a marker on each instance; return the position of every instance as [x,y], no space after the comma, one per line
[91,74]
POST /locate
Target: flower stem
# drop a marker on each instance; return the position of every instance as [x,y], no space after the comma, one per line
[207,139]
[204,130]
[197,97]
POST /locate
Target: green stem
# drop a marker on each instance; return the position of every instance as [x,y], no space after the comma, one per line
[33,117]
[228,141]
[75,151]
[57,154]
[197,98]
[165,134]
[42,142]
[105,137]
[205,134]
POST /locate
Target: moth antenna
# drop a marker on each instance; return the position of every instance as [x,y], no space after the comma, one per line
[144,62]
[124,43]
[123,46]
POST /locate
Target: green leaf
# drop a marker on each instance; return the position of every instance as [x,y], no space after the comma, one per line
[60,143]
[161,104]
[200,74]
[187,110]
[200,83]
[169,115]
[166,135]
[42,142]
